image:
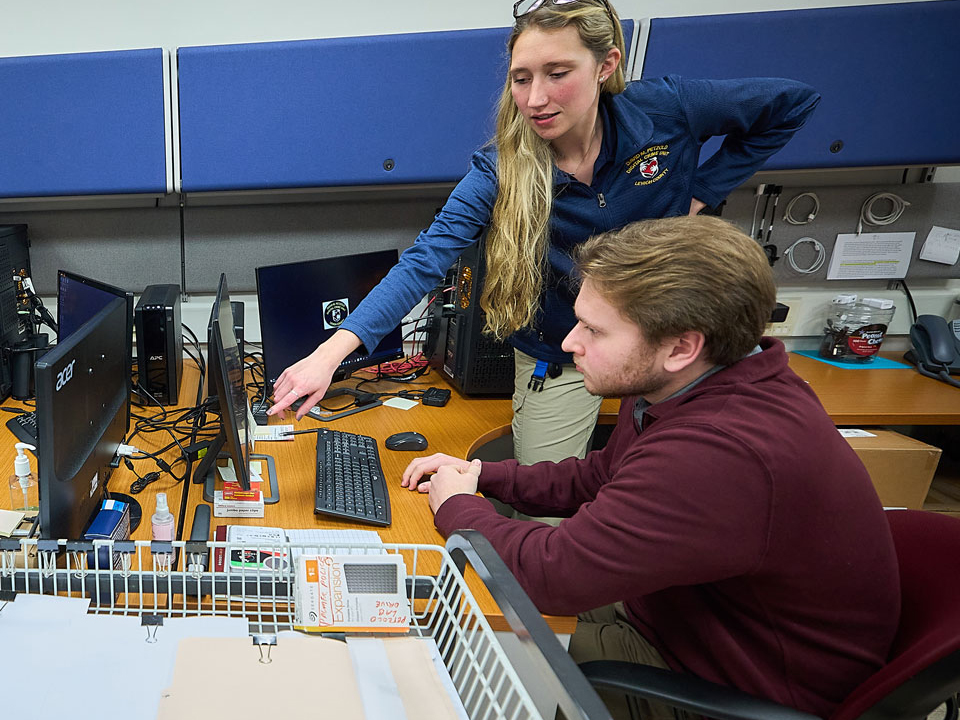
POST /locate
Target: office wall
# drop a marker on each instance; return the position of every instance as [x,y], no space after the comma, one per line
[56,26]
[138,245]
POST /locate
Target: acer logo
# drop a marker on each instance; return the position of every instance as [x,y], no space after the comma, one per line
[63,377]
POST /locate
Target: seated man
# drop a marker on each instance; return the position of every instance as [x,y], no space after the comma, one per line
[737,528]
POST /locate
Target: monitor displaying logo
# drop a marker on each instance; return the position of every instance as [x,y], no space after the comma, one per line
[335,312]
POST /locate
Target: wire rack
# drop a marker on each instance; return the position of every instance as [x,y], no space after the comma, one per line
[157,580]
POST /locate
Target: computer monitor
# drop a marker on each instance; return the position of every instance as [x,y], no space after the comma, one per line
[303,303]
[79,298]
[226,383]
[83,396]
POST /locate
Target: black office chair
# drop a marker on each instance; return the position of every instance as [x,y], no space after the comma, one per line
[923,671]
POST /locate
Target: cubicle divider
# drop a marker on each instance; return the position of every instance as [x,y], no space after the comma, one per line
[411,108]
[85,124]
[377,110]
[887,74]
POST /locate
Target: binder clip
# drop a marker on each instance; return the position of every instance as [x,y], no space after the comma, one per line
[151,623]
[265,641]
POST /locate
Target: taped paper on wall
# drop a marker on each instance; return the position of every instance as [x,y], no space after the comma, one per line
[942,246]
[869,256]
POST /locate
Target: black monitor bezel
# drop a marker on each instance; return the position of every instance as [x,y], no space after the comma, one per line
[125,295]
[350,364]
[221,333]
[68,497]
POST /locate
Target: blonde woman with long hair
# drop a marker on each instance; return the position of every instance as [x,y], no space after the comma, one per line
[577,151]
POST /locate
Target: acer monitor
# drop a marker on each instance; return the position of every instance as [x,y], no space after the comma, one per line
[83,397]
[79,298]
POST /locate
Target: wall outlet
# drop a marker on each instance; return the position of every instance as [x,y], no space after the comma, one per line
[789,326]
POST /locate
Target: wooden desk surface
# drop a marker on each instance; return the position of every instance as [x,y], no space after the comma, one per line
[851,397]
[894,396]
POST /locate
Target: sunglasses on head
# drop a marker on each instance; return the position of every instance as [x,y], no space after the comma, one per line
[522,7]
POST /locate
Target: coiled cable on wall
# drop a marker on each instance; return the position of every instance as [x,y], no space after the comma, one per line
[818,261]
[788,211]
[867,215]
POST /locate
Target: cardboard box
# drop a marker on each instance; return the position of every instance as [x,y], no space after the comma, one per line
[901,468]
[237,508]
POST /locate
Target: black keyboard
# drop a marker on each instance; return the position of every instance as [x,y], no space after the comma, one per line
[24,427]
[350,481]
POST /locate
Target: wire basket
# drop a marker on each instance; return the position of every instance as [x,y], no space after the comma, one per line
[157,580]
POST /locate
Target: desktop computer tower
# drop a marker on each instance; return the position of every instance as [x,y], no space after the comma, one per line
[15,306]
[474,363]
[159,343]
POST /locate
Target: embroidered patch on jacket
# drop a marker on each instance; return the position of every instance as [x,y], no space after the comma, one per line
[650,164]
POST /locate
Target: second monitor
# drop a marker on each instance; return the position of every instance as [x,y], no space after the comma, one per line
[303,303]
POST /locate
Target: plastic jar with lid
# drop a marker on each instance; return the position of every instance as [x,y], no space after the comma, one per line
[854,329]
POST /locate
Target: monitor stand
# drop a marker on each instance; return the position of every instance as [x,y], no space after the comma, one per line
[206,471]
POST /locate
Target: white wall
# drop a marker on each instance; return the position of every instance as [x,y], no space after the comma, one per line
[37,27]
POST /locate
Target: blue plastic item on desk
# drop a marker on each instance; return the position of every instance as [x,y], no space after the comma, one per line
[877,363]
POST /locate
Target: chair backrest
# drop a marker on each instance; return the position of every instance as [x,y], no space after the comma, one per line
[924,665]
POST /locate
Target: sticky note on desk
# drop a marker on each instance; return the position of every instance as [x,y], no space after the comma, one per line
[401,403]
[272,433]
[229,474]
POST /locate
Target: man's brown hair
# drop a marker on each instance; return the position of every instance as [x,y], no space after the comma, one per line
[685,273]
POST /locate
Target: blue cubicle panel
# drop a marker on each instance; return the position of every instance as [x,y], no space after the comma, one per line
[83,124]
[372,110]
[887,73]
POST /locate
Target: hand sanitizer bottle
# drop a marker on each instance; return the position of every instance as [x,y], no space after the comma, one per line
[24,492]
[162,520]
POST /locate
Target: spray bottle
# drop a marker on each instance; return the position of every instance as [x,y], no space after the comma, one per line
[24,492]
[162,521]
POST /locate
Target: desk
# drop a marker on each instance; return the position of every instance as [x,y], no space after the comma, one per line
[896,396]
[450,429]
[858,397]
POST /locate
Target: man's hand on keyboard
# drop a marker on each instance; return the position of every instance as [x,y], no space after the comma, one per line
[450,480]
[413,479]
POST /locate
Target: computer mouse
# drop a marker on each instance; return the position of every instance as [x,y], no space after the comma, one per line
[406,441]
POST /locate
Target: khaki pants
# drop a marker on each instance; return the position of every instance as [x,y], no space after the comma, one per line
[555,423]
[606,634]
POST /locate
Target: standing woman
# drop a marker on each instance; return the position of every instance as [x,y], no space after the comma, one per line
[577,151]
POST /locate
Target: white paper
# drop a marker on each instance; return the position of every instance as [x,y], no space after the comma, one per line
[871,256]
[338,542]
[9,520]
[86,650]
[312,541]
[229,474]
[400,403]
[378,688]
[377,682]
[273,433]
[854,432]
[942,246]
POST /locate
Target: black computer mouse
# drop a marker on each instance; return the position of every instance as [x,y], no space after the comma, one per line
[406,441]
